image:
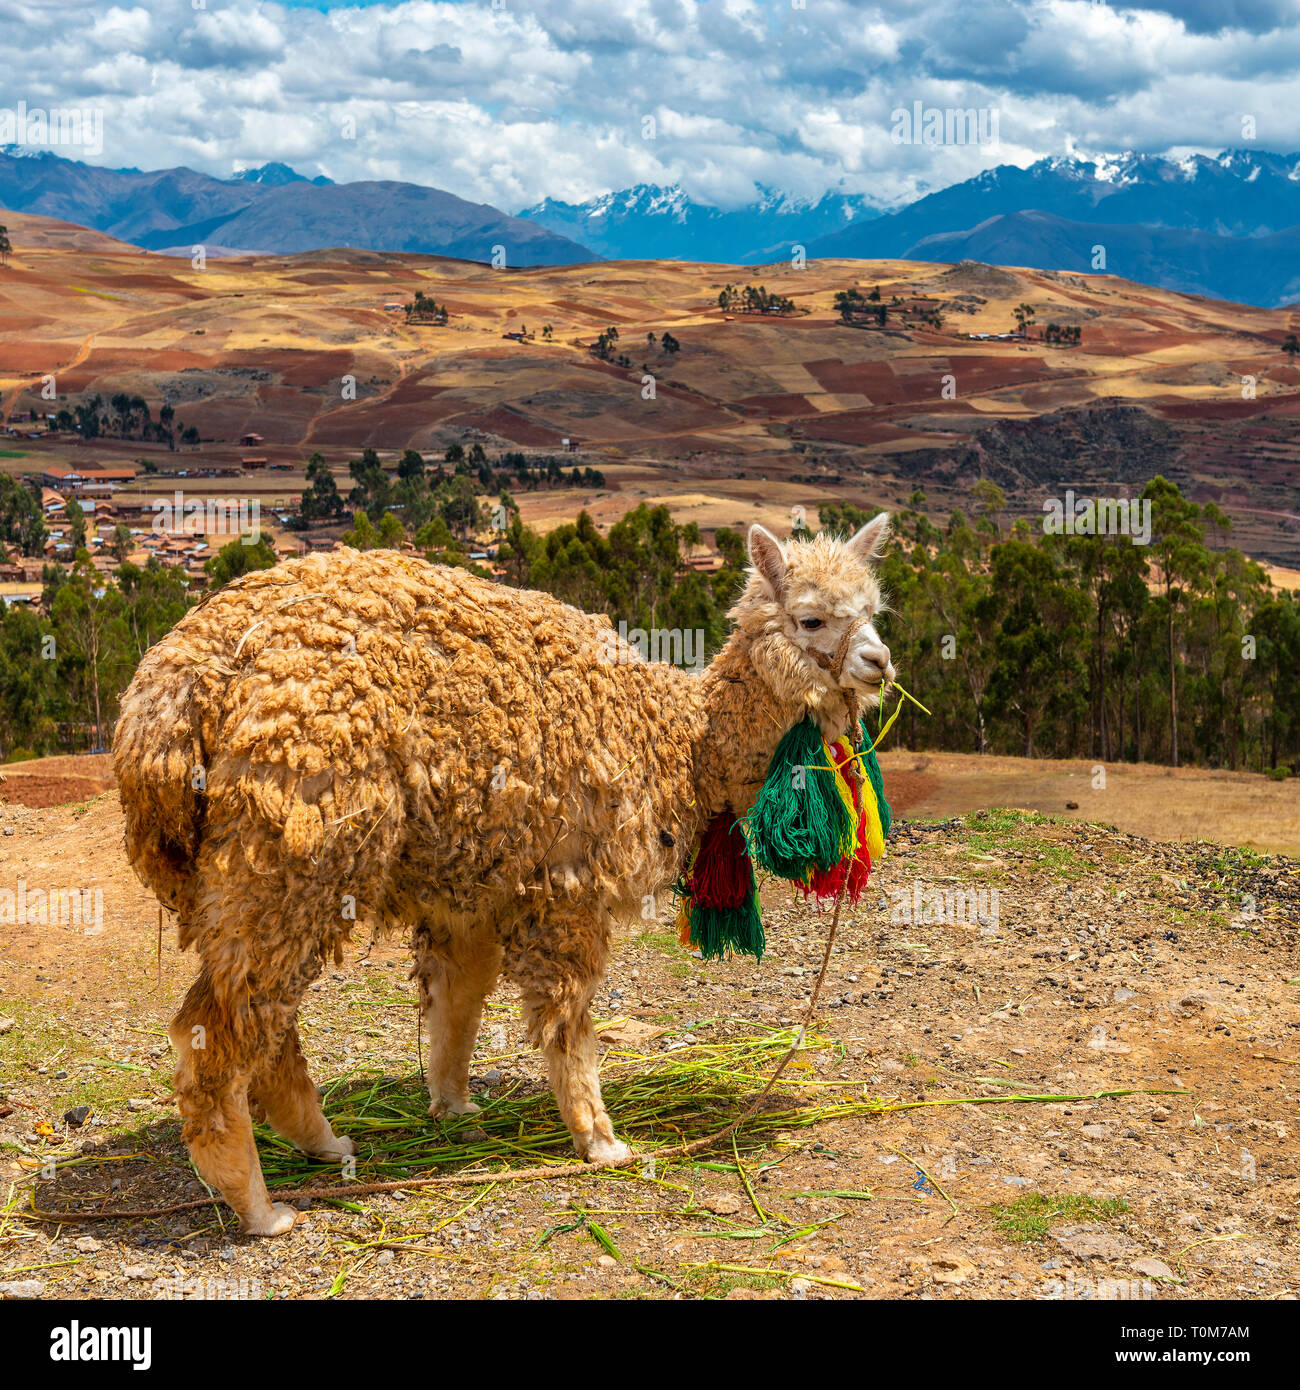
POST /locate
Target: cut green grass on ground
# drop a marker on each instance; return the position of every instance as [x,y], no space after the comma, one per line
[1029,1218]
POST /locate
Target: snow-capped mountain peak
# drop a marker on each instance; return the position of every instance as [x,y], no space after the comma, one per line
[652,221]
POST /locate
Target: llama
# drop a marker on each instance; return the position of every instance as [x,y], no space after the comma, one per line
[367,737]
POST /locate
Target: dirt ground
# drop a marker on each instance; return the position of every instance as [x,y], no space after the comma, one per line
[56,781]
[1187,803]
[1232,808]
[944,1133]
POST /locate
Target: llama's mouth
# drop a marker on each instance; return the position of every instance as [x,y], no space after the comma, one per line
[873,689]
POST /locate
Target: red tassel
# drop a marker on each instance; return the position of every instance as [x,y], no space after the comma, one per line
[859,872]
[722,875]
[860,869]
[849,874]
[827,885]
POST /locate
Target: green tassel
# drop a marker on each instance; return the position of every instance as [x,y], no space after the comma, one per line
[719,932]
[877,780]
[799,820]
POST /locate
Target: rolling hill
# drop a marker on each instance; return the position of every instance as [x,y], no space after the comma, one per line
[1257,270]
[754,415]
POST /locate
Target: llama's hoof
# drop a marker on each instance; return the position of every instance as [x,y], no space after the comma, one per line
[442,1106]
[338,1147]
[277,1220]
[601,1151]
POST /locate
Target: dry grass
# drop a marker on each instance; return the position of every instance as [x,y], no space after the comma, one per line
[1190,803]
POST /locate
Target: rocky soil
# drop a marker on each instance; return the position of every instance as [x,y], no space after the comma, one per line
[1077,960]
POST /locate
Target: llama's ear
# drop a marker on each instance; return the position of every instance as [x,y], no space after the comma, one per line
[765,555]
[869,543]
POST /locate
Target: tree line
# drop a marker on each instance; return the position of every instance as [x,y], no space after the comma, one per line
[1019,642]
[123,416]
[1076,646]
[754,299]
[419,490]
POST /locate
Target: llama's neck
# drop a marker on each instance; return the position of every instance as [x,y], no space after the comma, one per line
[746,714]
[745,719]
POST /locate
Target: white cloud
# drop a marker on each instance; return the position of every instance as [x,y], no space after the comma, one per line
[509,105]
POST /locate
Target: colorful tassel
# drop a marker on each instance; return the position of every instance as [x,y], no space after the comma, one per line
[800,821]
[722,873]
[820,821]
[852,871]
[720,896]
[720,931]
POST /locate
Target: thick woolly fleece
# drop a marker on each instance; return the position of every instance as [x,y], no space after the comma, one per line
[370,738]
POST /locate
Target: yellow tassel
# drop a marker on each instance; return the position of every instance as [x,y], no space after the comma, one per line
[848,756]
[875,830]
[683,923]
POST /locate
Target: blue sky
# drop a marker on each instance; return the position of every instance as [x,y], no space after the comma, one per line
[574,98]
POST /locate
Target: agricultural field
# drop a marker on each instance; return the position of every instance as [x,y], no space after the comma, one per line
[755,415]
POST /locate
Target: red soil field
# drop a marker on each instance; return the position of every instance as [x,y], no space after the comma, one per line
[780,406]
[854,427]
[1228,410]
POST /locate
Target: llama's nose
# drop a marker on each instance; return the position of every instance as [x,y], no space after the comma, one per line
[870,666]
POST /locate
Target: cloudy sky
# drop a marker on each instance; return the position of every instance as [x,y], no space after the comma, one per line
[506,101]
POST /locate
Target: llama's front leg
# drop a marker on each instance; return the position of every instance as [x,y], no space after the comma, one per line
[571,1060]
[452,990]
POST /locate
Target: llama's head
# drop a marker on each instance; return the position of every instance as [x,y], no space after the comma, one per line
[810,609]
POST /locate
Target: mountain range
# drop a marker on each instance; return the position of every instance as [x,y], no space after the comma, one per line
[271,209]
[1179,224]
[1226,226]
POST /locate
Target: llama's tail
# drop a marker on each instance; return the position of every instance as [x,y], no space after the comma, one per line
[159,760]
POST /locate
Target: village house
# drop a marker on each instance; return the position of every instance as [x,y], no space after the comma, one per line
[23,570]
[88,481]
[103,481]
[704,564]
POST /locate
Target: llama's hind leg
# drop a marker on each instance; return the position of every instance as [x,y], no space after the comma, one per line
[282,1089]
[455,977]
[211,1093]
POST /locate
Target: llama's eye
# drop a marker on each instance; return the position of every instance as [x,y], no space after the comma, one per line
[811,624]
